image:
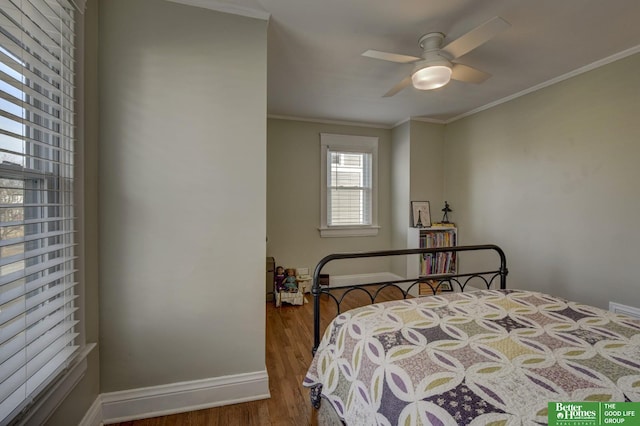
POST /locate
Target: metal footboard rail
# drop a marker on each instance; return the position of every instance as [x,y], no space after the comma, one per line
[461,280]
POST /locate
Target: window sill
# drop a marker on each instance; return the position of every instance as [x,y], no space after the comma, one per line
[46,403]
[349,231]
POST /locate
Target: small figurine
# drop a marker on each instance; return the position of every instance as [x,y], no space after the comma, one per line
[290,282]
[279,278]
[446,210]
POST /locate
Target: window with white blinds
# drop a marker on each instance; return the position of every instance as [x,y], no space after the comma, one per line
[349,185]
[349,188]
[37,281]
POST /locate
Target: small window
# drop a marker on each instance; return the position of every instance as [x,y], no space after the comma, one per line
[349,185]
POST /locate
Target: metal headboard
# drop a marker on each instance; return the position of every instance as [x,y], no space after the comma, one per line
[461,280]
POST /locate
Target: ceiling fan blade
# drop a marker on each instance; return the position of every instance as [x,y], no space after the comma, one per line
[392,57]
[398,87]
[468,74]
[476,37]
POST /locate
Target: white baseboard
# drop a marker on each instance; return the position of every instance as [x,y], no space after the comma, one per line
[347,280]
[93,416]
[619,308]
[181,397]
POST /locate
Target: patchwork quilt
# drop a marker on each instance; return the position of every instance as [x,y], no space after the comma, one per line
[487,357]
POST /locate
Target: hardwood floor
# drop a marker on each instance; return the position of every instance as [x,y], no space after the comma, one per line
[288,355]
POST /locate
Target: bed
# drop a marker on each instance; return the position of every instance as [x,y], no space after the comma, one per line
[492,356]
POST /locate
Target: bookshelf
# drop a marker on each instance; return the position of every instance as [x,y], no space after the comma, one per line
[436,263]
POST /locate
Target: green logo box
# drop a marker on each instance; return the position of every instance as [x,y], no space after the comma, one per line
[593,413]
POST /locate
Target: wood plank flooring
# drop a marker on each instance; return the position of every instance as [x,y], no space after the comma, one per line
[288,356]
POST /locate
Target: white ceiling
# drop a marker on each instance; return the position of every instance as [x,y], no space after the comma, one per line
[316,71]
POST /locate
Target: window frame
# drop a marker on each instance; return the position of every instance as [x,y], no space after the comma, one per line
[347,143]
[39,405]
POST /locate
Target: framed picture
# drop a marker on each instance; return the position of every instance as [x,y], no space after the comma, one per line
[420,214]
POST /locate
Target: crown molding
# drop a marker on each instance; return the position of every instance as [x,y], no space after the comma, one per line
[221,6]
[428,120]
[356,123]
[336,122]
[570,74]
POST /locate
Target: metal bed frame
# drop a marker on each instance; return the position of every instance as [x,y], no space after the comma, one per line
[487,277]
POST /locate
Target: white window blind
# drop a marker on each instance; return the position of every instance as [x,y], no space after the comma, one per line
[349,188]
[349,185]
[37,281]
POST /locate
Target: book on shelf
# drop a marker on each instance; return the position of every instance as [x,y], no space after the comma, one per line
[438,263]
[437,239]
[441,263]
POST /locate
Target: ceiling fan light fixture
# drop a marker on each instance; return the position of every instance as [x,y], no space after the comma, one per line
[431,77]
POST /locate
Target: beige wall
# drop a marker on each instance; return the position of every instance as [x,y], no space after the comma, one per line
[426,165]
[293,197]
[182,193]
[417,175]
[400,192]
[553,177]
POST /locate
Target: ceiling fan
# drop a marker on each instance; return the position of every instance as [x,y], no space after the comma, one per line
[436,66]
